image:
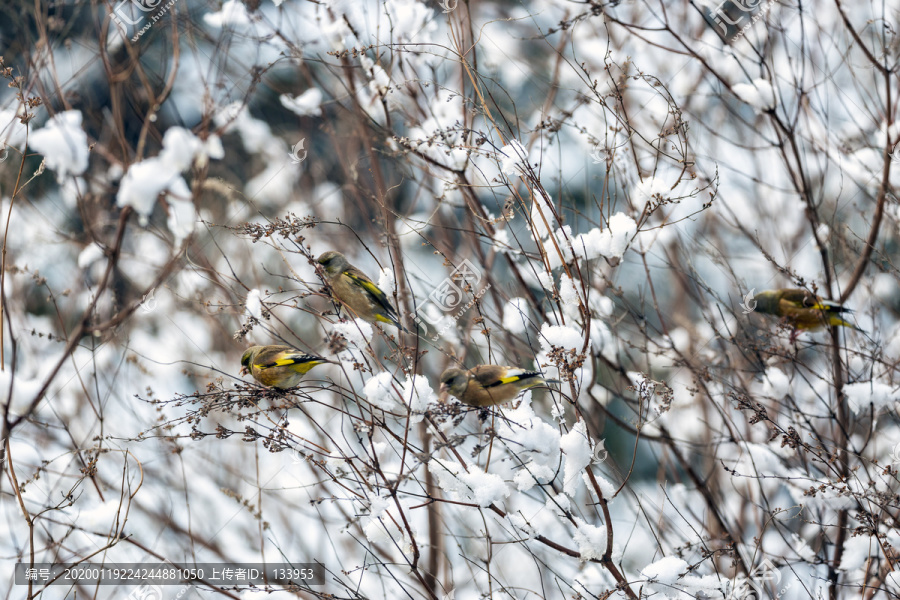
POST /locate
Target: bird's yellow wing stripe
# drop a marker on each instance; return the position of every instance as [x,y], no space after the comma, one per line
[835,320]
[379,297]
[831,307]
[284,362]
[799,303]
[509,379]
[820,306]
[368,286]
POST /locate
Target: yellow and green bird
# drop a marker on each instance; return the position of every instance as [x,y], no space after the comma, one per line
[802,309]
[489,385]
[357,294]
[281,367]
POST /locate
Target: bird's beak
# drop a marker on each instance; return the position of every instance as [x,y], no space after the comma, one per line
[244,371]
[445,389]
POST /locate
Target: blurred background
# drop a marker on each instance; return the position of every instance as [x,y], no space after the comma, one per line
[618,180]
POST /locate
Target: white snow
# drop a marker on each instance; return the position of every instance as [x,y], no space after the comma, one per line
[610,243]
[274,183]
[356,332]
[515,158]
[181,149]
[857,551]
[410,20]
[146,180]
[418,395]
[12,131]
[560,336]
[414,393]
[387,283]
[558,504]
[577,448]
[536,442]
[307,104]
[380,527]
[558,247]
[379,390]
[374,529]
[650,188]
[521,525]
[474,486]
[892,580]
[254,304]
[567,291]
[515,315]
[760,94]
[182,219]
[542,219]
[256,135]
[666,570]
[802,548]
[101,514]
[590,539]
[546,280]
[379,80]
[606,487]
[63,143]
[881,395]
[233,13]
[91,254]
[776,383]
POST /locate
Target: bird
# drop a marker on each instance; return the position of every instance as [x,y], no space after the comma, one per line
[277,366]
[356,292]
[802,309]
[489,385]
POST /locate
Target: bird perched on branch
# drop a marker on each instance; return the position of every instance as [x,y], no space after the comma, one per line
[357,294]
[802,309]
[489,385]
[278,366]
